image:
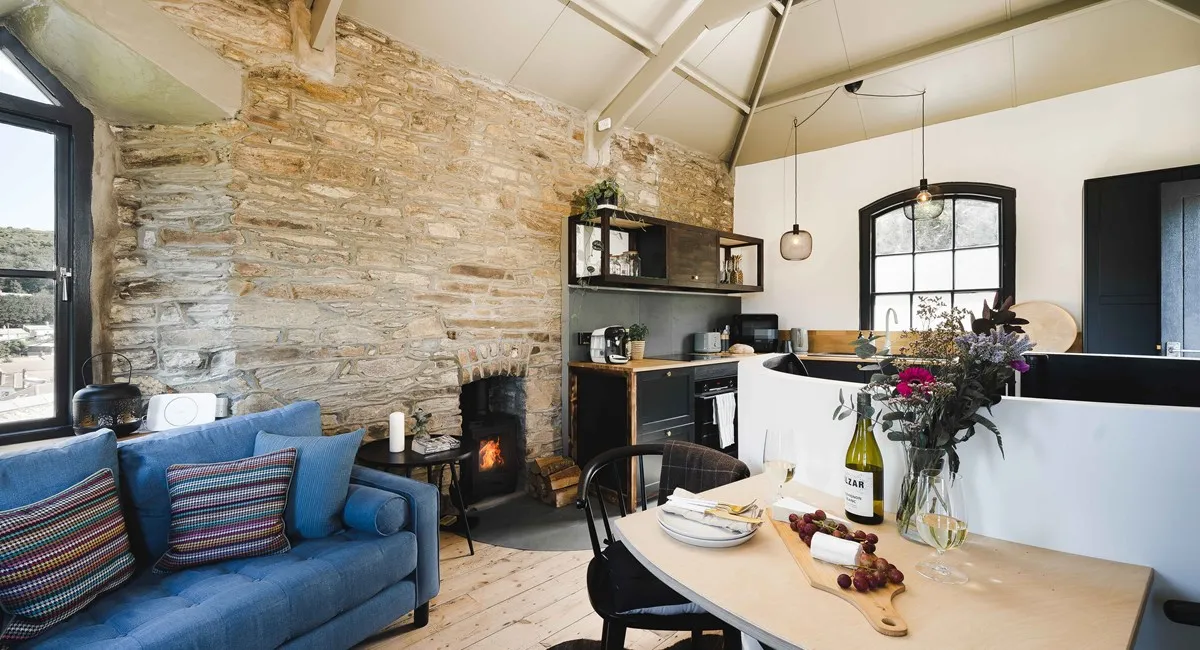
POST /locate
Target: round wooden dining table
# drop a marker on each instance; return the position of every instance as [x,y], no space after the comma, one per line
[1018,596]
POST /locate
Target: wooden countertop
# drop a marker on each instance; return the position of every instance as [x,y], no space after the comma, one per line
[645,365]
[1018,596]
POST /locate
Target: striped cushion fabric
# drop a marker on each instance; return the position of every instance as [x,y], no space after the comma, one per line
[223,511]
[58,554]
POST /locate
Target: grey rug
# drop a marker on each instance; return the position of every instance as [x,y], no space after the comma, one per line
[527,524]
[710,642]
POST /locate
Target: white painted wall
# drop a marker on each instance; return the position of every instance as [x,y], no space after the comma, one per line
[1044,150]
[1069,469]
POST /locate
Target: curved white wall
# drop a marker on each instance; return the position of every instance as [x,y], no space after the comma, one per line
[1045,150]
[1112,481]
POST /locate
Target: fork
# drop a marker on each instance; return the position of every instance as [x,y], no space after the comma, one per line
[733,509]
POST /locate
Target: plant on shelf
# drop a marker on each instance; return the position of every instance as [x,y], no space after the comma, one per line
[933,394]
[637,341]
[604,192]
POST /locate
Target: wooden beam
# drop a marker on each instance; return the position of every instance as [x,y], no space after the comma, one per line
[712,87]
[324,22]
[1189,9]
[760,81]
[1002,29]
[710,14]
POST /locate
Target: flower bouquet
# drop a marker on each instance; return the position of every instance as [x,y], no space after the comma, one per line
[933,392]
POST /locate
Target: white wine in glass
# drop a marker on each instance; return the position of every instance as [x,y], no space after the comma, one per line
[941,520]
[779,460]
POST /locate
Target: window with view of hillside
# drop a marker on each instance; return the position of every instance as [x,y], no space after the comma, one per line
[963,257]
[44,156]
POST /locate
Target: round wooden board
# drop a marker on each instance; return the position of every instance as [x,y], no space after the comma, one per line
[1050,326]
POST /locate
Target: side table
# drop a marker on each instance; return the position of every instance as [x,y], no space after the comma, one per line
[376,454]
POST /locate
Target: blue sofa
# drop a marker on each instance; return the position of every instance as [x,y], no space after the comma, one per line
[325,593]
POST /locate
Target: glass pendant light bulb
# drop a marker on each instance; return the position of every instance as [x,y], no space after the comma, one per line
[796,244]
[927,204]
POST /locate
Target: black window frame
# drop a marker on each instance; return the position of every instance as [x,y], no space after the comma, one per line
[73,125]
[1002,194]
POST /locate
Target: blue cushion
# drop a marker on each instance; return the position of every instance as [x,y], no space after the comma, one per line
[320,482]
[260,602]
[31,475]
[372,510]
[354,626]
[144,463]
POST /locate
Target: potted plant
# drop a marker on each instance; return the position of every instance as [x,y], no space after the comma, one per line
[933,395]
[637,341]
[601,194]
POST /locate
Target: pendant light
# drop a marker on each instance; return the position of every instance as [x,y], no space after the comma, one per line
[796,244]
[928,203]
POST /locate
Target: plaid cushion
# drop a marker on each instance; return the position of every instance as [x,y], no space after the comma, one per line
[58,554]
[697,468]
[223,511]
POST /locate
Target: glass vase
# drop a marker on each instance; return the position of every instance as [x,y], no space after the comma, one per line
[917,459]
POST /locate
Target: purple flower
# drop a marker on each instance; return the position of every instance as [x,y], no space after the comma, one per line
[1019,365]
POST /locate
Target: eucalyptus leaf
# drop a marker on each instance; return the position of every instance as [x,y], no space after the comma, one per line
[843,415]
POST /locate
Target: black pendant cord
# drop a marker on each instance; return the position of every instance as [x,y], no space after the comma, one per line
[796,124]
[922,96]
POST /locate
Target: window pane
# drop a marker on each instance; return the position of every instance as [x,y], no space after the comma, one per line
[13,81]
[893,273]
[903,312]
[973,301]
[924,324]
[978,268]
[893,233]
[26,199]
[977,223]
[26,349]
[936,234]
[932,271]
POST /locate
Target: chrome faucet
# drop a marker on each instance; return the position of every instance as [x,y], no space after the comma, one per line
[889,317]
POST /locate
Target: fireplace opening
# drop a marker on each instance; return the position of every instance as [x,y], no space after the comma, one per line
[493,412]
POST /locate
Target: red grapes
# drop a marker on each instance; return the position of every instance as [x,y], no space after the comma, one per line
[874,573]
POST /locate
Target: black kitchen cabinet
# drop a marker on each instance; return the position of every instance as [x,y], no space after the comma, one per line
[693,258]
[664,400]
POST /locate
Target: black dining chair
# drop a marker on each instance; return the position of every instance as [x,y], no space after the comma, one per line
[615,579]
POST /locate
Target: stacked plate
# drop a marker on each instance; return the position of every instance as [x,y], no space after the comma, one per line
[698,534]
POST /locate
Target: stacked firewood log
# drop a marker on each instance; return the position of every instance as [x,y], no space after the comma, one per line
[554,480]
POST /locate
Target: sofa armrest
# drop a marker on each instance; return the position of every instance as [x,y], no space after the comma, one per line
[375,511]
[424,500]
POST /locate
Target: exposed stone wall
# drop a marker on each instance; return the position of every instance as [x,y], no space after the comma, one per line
[372,243]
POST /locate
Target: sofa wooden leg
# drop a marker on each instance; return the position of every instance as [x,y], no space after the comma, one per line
[421,616]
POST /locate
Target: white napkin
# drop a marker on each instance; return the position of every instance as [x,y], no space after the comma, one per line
[695,512]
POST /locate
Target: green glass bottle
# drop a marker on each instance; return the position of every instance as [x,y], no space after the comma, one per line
[864,471]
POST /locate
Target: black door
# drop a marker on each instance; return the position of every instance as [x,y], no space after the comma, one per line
[1181,266]
[692,257]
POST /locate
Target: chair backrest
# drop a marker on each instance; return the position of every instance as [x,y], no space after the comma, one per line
[693,467]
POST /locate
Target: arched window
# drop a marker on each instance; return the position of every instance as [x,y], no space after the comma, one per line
[45,246]
[964,256]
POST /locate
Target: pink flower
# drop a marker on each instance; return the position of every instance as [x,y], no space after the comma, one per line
[914,377]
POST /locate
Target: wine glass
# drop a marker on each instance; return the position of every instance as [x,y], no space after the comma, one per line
[941,520]
[779,460]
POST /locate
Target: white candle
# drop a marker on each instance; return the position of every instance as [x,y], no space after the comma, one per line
[396,432]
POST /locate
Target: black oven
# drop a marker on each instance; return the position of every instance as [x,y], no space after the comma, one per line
[711,381]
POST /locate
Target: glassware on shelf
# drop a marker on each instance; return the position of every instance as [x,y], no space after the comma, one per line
[628,264]
[941,520]
[779,460]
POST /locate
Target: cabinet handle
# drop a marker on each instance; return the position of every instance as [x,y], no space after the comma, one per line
[668,373]
[695,277]
[668,434]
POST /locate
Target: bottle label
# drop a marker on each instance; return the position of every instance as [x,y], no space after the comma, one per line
[860,491]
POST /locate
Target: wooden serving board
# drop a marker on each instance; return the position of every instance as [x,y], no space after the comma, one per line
[876,604]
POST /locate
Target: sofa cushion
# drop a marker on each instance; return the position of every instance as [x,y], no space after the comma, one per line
[33,474]
[320,482]
[252,603]
[58,554]
[144,462]
[372,510]
[224,511]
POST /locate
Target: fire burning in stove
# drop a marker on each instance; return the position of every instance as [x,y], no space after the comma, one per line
[490,456]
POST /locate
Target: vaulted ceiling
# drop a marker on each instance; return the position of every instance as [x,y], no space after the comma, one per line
[971,56]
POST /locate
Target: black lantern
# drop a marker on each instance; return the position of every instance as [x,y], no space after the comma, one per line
[116,406]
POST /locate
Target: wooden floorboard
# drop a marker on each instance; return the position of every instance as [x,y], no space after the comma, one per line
[507,599]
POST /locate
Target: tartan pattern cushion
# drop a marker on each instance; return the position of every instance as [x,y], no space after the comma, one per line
[696,468]
[223,511]
[59,554]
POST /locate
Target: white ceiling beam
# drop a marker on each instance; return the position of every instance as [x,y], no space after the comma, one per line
[708,15]
[1002,29]
[1189,9]
[324,22]
[760,81]
[632,36]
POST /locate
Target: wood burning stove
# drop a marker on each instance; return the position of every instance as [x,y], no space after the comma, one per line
[493,436]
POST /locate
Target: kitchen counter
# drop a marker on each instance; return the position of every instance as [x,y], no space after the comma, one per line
[646,365]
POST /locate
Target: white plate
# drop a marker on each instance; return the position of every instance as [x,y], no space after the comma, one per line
[706,543]
[696,530]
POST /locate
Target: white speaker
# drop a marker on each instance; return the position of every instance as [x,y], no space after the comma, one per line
[180,410]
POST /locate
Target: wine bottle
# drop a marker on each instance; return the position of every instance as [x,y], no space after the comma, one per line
[864,470]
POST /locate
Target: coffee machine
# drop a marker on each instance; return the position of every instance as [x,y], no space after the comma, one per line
[610,345]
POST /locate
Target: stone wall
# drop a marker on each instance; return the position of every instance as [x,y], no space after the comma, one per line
[373,242]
